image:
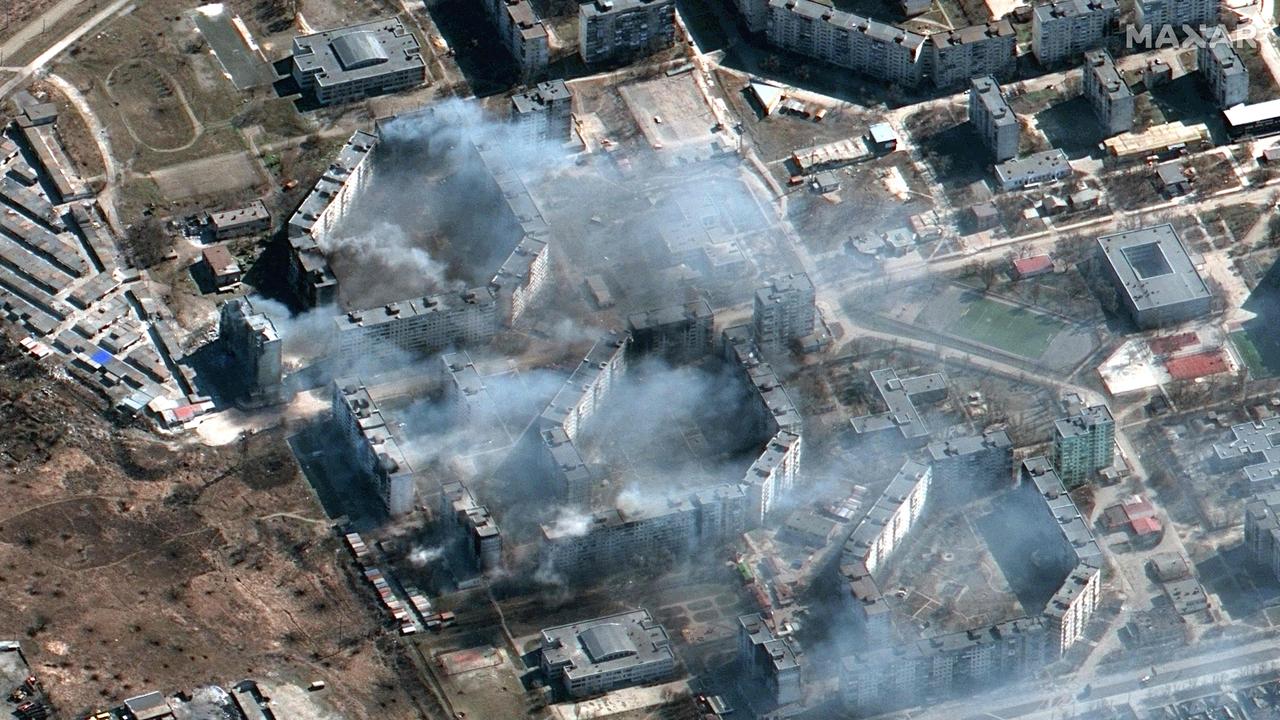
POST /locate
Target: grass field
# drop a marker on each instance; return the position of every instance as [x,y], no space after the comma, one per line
[1252,357]
[1007,327]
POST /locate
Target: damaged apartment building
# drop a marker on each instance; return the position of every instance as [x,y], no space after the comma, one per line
[887,672]
[677,524]
[432,322]
[251,340]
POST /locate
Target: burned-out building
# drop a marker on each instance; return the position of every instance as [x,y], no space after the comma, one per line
[544,112]
[676,333]
[377,454]
[768,660]
[419,326]
[476,527]
[250,338]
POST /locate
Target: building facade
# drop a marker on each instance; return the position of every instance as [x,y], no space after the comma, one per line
[376,451]
[619,30]
[474,525]
[420,326]
[1223,70]
[523,35]
[355,62]
[677,333]
[784,311]
[1108,94]
[544,112]
[1262,531]
[767,660]
[521,278]
[1177,15]
[1084,444]
[993,119]
[869,47]
[1063,30]
[972,463]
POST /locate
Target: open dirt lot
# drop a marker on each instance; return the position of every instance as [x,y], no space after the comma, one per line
[128,564]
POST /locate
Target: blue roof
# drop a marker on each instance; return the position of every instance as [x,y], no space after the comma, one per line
[101,357]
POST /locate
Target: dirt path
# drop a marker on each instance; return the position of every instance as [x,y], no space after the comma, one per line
[113,174]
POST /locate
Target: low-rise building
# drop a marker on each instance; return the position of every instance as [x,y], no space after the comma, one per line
[355,62]
[248,220]
[901,396]
[1041,167]
[603,654]
[1154,276]
[222,266]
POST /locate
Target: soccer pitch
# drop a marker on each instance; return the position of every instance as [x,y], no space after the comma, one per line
[1010,328]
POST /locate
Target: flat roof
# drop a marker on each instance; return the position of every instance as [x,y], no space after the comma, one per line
[538,97]
[1072,8]
[606,644]
[1102,66]
[987,90]
[359,51]
[1249,114]
[610,7]
[897,394]
[1083,422]
[1049,161]
[1153,266]
[969,445]
[1225,57]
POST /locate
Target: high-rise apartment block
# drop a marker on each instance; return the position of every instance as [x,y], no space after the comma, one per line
[477,528]
[1262,530]
[958,56]
[619,30]
[1108,94]
[767,660]
[870,47]
[418,326]
[1084,444]
[1223,70]
[1176,14]
[376,451]
[522,33]
[1063,30]
[521,278]
[677,333]
[967,465]
[993,119]
[784,311]
[255,347]
[544,112]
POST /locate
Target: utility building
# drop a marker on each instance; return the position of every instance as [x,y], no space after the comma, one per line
[620,30]
[355,62]
[1154,276]
[1111,99]
[993,119]
[1084,444]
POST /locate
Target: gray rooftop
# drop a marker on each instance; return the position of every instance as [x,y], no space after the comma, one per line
[1103,68]
[353,153]
[1032,166]
[897,394]
[606,644]
[969,445]
[973,34]
[872,29]
[538,97]
[1082,423]
[1224,56]
[610,7]
[988,93]
[1073,8]
[1153,266]
[670,315]
[358,51]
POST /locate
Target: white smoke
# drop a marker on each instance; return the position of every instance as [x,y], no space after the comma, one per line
[424,556]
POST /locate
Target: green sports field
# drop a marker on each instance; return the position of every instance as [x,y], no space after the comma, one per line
[1010,328]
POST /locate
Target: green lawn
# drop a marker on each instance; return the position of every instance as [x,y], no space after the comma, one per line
[1010,328]
[1249,353]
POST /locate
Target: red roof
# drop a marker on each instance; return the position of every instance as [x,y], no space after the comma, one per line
[1172,343]
[1146,526]
[1138,507]
[1188,367]
[1033,265]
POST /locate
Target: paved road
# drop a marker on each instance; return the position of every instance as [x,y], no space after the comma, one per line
[33,29]
[36,65]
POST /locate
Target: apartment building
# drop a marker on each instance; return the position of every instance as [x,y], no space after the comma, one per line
[521,278]
[957,56]
[869,47]
[1108,94]
[1083,444]
[618,30]
[783,311]
[419,326]
[1177,15]
[993,119]
[1223,70]
[544,112]
[522,33]
[676,333]
[1064,30]
[376,451]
